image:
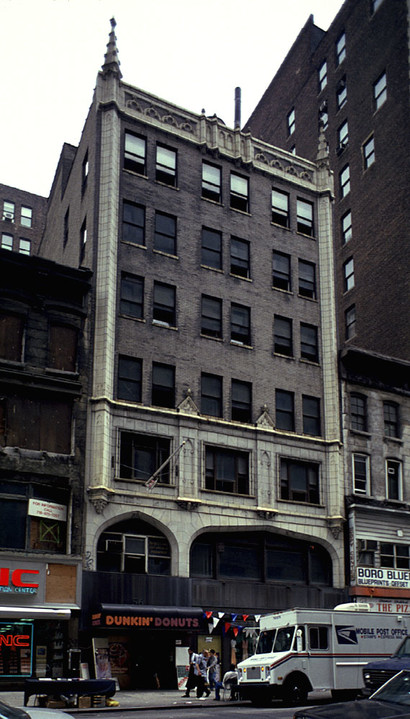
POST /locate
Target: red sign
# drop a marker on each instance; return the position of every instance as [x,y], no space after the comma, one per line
[17,578]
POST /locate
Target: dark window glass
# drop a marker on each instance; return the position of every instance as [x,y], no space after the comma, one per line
[133,223]
[346,222]
[13,524]
[304,217]
[239,196]
[39,424]
[129,378]
[341,93]
[211,395]
[322,74]
[308,342]
[394,481]
[163,385]
[281,277]
[211,316]
[132,296]
[291,121]
[360,473]
[380,91]
[350,322]
[240,324]
[391,419]
[165,236]
[241,399]
[282,336]
[62,347]
[240,257]
[164,310]
[311,415]
[141,455]
[227,470]
[307,279]
[280,208]
[211,253]
[134,155]
[11,337]
[211,182]
[343,135]
[166,166]
[358,412]
[341,48]
[348,274]
[284,410]
[299,481]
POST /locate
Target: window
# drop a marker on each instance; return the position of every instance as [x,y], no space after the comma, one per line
[348,274]
[240,258]
[281,273]
[391,419]
[211,316]
[323,116]
[132,296]
[62,347]
[239,196]
[211,251]
[39,423]
[24,246]
[307,279]
[299,481]
[341,93]
[304,213]
[6,241]
[284,410]
[344,179]
[369,154]
[20,529]
[66,226]
[211,395]
[375,4]
[134,155]
[280,208]
[165,236]
[341,48]
[83,239]
[125,550]
[164,309]
[318,638]
[291,121]
[163,385]
[226,470]
[240,324]
[358,412]
[361,474]
[343,135]
[11,337]
[311,415]
[166,166]
[133,223]
[309,349]
[84,172]
[241,401]
[395,555]
[380,91]
[346,223]
[9,211]
[211,182]
[26,218]
[142,454]
[129,385]
[394,489]
[350,322]
[322,75]
[282,336]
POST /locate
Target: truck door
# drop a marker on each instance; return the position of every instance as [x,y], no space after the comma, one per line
[320,659]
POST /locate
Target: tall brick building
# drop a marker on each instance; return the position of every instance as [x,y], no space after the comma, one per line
[352,82]
[214,478]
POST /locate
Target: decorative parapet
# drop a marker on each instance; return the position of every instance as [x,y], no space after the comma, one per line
[213,134]
[265,421]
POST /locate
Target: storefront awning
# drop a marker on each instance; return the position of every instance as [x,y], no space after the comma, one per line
[148,617]
[10,612]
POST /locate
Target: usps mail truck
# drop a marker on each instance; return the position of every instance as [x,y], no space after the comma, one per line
[302,650]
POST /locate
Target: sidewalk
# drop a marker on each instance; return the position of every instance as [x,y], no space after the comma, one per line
[136,699]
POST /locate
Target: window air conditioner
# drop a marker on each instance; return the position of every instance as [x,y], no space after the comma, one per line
[8,216]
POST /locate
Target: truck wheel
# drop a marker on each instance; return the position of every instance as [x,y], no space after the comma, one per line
[295,691]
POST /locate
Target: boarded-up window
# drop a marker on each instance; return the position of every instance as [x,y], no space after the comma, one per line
[39,424]
[62,347]
[61,583]
[11,337]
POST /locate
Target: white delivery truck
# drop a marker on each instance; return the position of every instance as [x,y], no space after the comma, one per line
[302,650]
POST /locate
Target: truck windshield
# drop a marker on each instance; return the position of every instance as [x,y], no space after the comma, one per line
[275,640]
[404,649]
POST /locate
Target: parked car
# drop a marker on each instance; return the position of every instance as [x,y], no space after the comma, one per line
[9,712]
[390,701]
[378,672]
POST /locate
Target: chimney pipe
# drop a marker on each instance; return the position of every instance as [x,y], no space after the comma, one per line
[237,108]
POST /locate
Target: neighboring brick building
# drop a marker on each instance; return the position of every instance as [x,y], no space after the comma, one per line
[22,220]
[214,346]
[352,81]
[43,405]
